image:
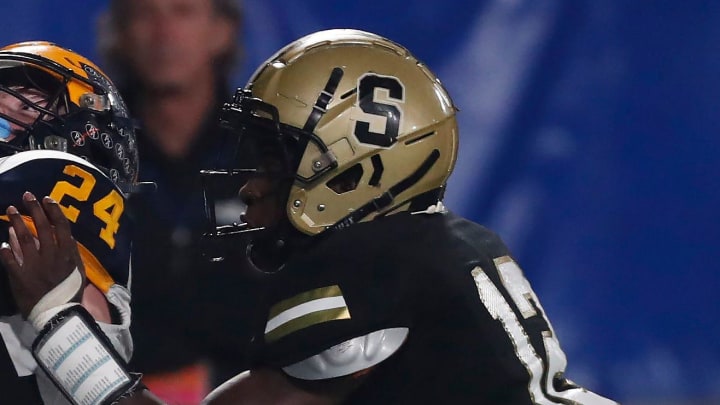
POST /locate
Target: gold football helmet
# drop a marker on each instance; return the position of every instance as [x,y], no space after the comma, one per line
[367,128]
[73,107]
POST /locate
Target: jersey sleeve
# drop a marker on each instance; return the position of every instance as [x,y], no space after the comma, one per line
[328,298]
[88,198]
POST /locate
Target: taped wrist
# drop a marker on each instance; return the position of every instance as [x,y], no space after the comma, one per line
[56,300]
[80,360]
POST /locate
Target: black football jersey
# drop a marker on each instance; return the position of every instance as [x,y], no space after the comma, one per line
[96,210]
[477,332]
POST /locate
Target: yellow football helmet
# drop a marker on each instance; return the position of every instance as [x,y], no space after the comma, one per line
[80,110]
[369,129]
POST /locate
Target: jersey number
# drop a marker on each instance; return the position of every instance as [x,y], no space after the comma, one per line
[107,209]
[368,101]
[524,299]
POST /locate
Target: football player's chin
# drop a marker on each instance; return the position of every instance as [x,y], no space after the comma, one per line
[248,221]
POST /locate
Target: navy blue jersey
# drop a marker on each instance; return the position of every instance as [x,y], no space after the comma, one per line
[96,210]
[90,200]
[477,332]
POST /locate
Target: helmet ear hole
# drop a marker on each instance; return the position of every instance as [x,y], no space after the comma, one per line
[347,180]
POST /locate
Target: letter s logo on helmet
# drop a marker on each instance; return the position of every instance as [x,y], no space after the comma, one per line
[74,108]
[368,129]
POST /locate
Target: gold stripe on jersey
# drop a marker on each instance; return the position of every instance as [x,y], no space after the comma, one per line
[94,270]
[324,292]
[306,321]
[304,310]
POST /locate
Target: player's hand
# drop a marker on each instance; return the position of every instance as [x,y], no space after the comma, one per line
[37,266]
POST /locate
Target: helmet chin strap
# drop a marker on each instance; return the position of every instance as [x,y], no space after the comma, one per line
[387,198]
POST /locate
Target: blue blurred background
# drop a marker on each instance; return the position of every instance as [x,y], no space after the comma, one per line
[589,141]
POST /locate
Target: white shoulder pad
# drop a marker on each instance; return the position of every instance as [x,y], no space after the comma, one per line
[350,356]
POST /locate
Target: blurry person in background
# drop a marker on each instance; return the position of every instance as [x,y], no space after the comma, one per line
[172,60]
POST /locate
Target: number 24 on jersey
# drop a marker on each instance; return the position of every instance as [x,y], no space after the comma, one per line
[108,209]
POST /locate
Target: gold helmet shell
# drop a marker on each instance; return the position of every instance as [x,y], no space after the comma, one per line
[379,115]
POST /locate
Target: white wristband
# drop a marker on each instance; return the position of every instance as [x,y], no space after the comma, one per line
[56,300]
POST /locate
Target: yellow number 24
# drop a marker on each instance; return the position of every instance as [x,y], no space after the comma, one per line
[108,209]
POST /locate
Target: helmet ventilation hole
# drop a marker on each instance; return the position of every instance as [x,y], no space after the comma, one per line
[347,180]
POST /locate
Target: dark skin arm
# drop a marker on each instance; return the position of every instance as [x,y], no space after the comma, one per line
[46,263]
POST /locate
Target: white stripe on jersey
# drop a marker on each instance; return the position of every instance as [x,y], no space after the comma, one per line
[303,309]
[10,162]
